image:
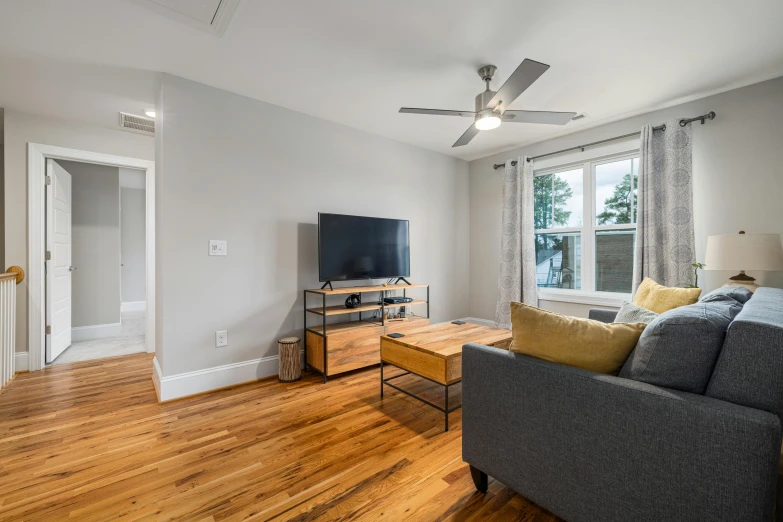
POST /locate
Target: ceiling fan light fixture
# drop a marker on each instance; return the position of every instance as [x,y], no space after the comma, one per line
[491,106]
[487,120]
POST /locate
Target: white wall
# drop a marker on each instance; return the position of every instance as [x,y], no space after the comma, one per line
[256,175]
[21,129]
[737,181]
[95,252]
[133,242]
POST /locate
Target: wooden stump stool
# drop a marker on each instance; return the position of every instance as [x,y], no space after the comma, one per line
[290,363]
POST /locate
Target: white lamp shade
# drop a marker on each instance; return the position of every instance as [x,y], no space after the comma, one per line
[744,252]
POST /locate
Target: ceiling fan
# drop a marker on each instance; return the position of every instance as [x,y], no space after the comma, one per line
[491,106]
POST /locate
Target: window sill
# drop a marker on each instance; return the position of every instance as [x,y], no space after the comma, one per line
[587,298]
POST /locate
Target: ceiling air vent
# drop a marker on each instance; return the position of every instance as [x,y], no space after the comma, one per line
[212,16]
[140,124]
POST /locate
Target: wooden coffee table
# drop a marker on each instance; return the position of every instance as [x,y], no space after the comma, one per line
[435,353]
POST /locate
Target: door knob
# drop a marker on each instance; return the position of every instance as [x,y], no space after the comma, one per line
[71,268]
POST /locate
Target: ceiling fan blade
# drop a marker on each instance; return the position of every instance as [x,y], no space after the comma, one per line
[437,112]
[547,117]
[465,138]
[527,72]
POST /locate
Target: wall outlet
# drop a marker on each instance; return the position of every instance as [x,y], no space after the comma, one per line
[218,247]
[221,338]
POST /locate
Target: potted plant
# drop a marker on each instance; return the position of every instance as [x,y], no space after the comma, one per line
[696,268]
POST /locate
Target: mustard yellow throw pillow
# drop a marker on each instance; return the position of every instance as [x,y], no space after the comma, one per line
[660,299]
[584,343]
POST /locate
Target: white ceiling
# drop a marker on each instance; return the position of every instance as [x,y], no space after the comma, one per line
[357,61]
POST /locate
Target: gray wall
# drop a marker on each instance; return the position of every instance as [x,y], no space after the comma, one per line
[3,266]
[256,175]
[95,243]
[133,236]
[22,128]
[737,182]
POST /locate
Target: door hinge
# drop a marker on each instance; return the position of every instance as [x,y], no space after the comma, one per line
[48,255]
[48,330]
[48,180]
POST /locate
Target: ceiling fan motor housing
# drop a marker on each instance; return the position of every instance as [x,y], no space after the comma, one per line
[483,99]
[482,111]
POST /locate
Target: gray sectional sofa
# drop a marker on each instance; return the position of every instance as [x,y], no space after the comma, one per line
[594,447]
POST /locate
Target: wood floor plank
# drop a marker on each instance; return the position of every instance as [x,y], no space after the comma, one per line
[89,441]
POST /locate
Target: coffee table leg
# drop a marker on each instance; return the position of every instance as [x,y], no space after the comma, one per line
[381,379]
[447,407]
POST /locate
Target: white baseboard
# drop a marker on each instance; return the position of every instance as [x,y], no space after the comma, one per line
[133,306]
[21,362]
[482,322]
[199,381]
[157,375]
[98,331]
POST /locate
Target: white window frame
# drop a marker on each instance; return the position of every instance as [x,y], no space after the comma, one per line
[588,163]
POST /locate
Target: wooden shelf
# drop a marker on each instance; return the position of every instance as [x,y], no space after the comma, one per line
[352,345]
[340,347]
[363,289]
[345,326]
[341,309]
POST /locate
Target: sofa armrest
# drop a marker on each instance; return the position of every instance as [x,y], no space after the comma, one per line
[589,446]
[602,314]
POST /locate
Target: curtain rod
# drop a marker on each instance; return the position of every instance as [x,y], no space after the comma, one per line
[709,116]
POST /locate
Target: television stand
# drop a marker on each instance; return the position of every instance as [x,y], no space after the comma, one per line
[333,348]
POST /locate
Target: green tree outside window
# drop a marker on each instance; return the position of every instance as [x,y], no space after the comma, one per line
[618,207]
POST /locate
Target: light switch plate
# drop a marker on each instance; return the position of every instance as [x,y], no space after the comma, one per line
[218,247]
[221,338]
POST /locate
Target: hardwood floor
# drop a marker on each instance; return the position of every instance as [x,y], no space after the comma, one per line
[89,441]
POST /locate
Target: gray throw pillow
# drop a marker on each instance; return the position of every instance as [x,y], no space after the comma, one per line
[630,313]
[739,293]
[678,350]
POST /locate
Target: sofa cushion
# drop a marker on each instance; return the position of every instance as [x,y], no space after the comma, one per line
[749,370]
[584,343]
[630,313]
[660,299]
[678,349]
[738,293]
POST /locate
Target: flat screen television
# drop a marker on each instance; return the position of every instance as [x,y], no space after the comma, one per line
[355,247]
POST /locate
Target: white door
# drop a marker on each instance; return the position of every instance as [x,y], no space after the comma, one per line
[58,268]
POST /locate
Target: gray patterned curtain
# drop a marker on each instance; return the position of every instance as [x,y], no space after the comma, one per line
[517,279]
[665,246]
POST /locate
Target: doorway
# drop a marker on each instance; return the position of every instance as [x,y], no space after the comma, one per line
[72,307]
[95,279]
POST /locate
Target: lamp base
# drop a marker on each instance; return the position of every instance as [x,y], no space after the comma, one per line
[743,280]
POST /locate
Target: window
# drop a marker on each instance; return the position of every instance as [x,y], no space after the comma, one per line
[585,225]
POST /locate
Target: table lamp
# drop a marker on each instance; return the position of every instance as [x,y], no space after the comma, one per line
[744,252]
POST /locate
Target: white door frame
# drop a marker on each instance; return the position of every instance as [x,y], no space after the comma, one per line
[37,155]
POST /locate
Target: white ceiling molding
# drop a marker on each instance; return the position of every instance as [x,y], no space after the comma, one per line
[212,16]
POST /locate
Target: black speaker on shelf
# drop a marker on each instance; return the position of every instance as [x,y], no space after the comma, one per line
[353,301]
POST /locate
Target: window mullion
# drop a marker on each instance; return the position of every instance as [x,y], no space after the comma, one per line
[588,235]
[552,198]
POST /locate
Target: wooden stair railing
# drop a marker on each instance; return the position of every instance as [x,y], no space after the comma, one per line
[8,282]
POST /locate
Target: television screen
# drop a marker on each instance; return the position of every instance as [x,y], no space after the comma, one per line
[353,247]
